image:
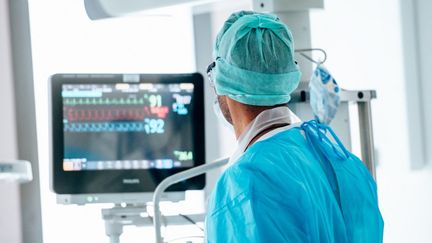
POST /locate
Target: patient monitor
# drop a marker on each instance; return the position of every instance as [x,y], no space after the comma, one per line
[115,137]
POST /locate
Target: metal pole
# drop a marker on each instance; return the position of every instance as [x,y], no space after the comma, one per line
[366,136]
[114,238]
[173,180]
[31,216]
[113,229]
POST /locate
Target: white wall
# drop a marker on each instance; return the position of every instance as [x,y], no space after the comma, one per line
[364,42]
[10,225]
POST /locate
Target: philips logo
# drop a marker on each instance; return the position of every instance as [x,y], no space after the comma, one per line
[131,181]
[131,78]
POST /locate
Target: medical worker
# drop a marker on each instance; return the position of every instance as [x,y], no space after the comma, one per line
[288,181]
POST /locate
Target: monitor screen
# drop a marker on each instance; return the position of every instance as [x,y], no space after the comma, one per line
[116,135]
[127,126]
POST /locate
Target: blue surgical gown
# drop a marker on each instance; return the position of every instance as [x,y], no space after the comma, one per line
[295,187]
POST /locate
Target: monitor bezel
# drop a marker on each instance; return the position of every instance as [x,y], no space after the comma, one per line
[90,182]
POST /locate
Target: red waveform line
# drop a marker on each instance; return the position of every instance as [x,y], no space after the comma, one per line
[110,114]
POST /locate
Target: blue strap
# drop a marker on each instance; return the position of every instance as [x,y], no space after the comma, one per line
[316,135]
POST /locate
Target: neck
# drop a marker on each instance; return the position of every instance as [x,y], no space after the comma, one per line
[240,124]
[242,115]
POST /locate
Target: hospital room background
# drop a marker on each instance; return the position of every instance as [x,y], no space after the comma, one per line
[371,45]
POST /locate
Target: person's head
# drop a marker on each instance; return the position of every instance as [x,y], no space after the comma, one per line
[254,66]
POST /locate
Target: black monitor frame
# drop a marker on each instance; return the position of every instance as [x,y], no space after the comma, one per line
[118,181]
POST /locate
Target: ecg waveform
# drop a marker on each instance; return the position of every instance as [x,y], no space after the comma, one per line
[149,126]
[145,100]
[120,109]
[115,114]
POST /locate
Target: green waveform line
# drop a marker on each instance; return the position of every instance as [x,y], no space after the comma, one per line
[104,101]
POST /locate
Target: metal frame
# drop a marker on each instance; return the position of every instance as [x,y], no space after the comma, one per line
[366,136]
[19,171]
[173,180]
[136,214]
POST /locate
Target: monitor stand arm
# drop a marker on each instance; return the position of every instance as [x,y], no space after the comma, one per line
[118,216]
[171,180]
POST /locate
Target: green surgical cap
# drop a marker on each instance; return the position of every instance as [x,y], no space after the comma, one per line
[254,60]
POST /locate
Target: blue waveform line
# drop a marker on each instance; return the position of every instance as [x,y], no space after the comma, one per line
[106,127]
[81,93]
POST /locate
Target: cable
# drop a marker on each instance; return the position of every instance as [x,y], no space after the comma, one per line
[185,237]
[165,224]
[192,221]
[187,218]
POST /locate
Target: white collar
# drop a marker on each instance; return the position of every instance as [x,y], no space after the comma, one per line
[266,119]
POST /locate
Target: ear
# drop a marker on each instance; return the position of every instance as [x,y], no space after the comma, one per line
[233,105]
[225,108]
[230,103]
